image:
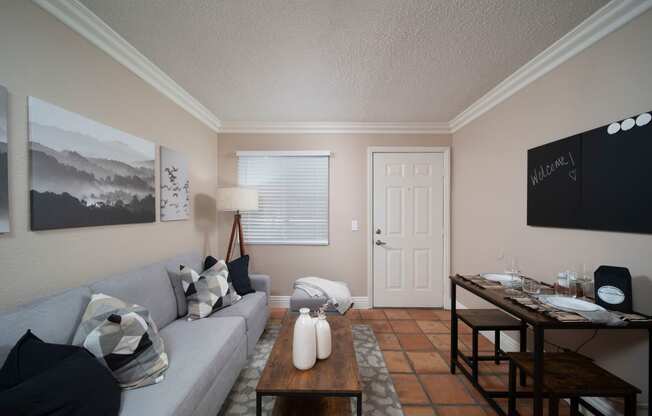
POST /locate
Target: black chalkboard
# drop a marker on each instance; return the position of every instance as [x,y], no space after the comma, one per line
[554,183]
[598,180]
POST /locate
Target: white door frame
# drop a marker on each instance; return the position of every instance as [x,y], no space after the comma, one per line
[445,151]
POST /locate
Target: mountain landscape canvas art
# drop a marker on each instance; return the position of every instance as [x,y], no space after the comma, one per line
[4,168]
[84,173]
[175,186]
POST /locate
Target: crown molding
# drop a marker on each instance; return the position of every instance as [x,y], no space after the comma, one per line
[607,19]
[334,128]
[83,21]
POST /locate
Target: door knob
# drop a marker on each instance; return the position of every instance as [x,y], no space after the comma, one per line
[380,243]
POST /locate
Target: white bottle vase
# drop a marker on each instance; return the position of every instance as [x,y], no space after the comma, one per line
[304,341]
[324,342]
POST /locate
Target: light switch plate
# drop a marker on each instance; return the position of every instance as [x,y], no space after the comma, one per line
[354,225]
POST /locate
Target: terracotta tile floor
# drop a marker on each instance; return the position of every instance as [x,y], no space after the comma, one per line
[416,347]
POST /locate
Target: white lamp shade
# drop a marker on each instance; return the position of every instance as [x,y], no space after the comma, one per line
[237,199]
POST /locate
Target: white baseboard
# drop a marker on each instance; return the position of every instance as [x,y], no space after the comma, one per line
[507,343]
[279,301]
[359,302]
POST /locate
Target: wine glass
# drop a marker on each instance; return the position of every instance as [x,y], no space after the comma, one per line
[513,270]
[572,283]
[530,286]
[586,281]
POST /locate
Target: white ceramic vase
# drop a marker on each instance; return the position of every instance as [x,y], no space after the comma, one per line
[324,342]
[304,341]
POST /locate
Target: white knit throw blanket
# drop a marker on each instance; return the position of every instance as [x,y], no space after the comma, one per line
[337,292]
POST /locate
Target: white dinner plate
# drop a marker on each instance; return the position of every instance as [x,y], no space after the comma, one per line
[497,277]
[569,304]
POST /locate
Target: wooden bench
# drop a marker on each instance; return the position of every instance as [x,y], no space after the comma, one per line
[489,320]
[570,376]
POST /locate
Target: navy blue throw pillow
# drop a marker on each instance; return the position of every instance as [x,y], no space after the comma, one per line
[39,379]
[239,275]
[30,357]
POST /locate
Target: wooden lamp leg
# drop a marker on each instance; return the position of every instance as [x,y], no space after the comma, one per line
[240,239]
[237,227]
[228,251]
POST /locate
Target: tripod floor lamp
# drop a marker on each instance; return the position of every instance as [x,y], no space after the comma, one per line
[236,200]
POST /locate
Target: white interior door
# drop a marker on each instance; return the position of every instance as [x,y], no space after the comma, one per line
[408,229]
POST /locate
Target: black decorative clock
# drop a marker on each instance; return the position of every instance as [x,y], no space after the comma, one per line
[613,288]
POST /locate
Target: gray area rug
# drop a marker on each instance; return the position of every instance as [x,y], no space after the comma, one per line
[378,398]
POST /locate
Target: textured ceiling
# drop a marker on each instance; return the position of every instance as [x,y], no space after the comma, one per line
[340,60]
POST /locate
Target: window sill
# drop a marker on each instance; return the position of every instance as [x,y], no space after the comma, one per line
[287,243]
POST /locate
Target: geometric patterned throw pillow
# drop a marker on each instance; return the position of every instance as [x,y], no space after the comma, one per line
[207,292]
[125,339]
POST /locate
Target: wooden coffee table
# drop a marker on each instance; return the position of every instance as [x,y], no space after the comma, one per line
[325,389]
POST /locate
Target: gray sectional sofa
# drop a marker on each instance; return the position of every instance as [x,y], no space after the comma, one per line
[205,356]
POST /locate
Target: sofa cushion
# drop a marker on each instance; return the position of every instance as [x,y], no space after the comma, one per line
[54,319]
[261,283]
[148,287]
[193,260]
[249,307]
[197,351]
[253,308]
[212,402]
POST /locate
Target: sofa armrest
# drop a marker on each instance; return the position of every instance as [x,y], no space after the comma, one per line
[261,283]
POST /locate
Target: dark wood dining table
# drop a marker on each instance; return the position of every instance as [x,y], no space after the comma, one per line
[539,323]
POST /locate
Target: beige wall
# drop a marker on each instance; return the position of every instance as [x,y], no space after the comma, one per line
[606,82]
[41,57]
[345,258]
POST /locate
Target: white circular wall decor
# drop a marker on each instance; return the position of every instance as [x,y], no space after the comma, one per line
[613,128]
[643,119]
[627,124]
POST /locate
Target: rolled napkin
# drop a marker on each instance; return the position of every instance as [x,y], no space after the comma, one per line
[603,317]
[336,292]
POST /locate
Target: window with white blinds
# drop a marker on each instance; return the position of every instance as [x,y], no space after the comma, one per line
[292,197]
